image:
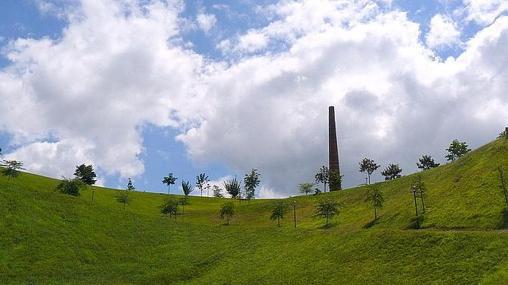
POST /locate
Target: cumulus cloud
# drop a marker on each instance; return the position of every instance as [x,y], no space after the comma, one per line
[484,12]
[119,67]
[443,32]
[206,21]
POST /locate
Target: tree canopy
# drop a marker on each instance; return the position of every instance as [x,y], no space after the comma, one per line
[86,174]
[392,171]
[456,150]
[426,162]
[368,166]
[233,187]
[250,182]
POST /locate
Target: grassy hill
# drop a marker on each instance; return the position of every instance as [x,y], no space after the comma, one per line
[50,238]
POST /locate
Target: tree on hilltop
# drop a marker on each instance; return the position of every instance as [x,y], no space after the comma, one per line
[250,182]
[392,171]
[323,176]
[202,182]
[169,180]
[233,187]
[86,174]
[456,150]
[368,166]
[426,162]
[306,188]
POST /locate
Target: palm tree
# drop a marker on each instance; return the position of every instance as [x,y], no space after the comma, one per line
[169,180]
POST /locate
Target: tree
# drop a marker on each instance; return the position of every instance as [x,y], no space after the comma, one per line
[130,187]
[327,208]
[419,187]
[12,168]
[279,211]
[456,150]
[217,191]
[250,182]
[202,182]
[70,186]
[502,135]
[227,211]
[233,187]
[335,179]
[186,188]
[86,174]
[375,198]
[392,172]
[306,188]
[368,166]
[426,162]
[169,180]
[170,207]
[502,186]
[323,176]
[123,196]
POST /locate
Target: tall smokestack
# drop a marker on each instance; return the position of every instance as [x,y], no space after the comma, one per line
[333,152]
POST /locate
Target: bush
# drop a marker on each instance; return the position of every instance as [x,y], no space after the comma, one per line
[70,186]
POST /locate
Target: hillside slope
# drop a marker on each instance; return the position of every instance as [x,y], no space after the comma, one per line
[50,238]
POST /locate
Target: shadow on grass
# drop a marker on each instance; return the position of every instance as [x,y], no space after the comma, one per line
[327,226]
[415,223]
[503,222]
[371,224]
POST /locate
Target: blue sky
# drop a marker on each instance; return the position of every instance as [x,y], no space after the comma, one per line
[186,147]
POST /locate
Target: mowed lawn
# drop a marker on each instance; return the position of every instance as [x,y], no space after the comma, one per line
[50,238]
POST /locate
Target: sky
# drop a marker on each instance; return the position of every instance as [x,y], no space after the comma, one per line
[141,88]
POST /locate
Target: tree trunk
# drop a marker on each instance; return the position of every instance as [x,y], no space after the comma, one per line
[369,178]
[423,203]
[416,209]
[278,221]
[375,213]
[93,194]
[294,214]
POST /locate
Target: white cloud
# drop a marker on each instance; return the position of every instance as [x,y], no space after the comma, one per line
[206,21]
[119,67]
[443,32]
[484,12]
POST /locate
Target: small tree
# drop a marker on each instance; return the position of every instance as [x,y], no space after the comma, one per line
[327,208]
[323,176]
[279,211]
[392,172]
[502,135]
[375,198]
[130,186]
[169,180]
[202,182]
[12,168]
[426,162]
[233,187]
[70,186]
[86,174]
[217,191]
[368,166]
[227,211]
[186,188]
[335,180]
[456,150]
[250,182]
[170,207]
[502,185]
[421,190]
[306,188]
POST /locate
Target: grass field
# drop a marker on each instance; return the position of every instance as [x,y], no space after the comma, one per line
[51,238]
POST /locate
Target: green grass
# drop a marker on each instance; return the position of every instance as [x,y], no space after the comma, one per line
[50,238]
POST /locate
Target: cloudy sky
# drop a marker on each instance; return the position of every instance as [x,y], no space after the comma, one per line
[140,88]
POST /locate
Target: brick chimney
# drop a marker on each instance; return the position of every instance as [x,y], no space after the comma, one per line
[333,152]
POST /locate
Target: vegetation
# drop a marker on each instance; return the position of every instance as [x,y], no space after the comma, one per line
[169,180]
[217,192]
[335,180]
[305,188]
[86,174]
[170,207]
[50,238]
[419,187]
[426,162]
[186,188]
[502,185]
[250,182]
[368,166]
[233,187]
[11,168]
[392,171]
[327,208]
[456,150]
[202,182]
[70,186]
[227,211]
[279,211]
[323,176]
[130,186]
[375,199]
